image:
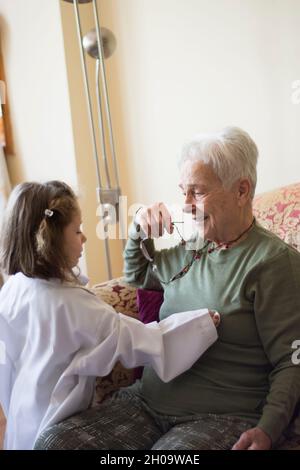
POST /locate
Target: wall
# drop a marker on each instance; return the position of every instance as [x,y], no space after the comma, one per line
[37,89]
[195,65]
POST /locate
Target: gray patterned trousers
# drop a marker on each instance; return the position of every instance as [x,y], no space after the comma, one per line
[125,422]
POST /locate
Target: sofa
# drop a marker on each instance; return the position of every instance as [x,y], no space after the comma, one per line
[278,211]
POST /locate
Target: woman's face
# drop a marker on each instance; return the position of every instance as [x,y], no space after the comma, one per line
[74,240]
[217,208]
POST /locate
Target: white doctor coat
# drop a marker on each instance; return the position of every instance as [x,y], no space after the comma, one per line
[56,338]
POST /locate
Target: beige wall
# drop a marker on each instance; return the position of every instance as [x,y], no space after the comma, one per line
[37,91]
[37,88]
[184,66]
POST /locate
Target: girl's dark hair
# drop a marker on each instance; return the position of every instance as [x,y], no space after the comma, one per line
[31,241]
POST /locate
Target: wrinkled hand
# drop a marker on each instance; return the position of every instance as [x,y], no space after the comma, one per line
[154,220]
[215,317]
[253,439]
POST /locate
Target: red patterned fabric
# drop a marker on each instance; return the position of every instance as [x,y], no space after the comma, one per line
[122,297]
[279,212]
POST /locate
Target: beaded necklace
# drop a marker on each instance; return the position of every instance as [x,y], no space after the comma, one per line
[226,245]
[198,253]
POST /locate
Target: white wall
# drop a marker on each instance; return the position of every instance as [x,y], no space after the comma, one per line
[185,66]
[38,92]
[37,88]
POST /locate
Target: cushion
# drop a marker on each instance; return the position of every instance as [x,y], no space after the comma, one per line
[119,295]
[149,303]
[122,297]
[279,212]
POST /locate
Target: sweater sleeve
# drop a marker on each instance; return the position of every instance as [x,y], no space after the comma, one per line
[138,270]
[277,307]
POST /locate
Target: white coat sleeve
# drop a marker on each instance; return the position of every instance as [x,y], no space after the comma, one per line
[6,367]
[170,347]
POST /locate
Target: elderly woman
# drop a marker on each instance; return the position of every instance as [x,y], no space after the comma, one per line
[242,392]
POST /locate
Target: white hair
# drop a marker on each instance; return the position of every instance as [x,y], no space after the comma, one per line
[231,153]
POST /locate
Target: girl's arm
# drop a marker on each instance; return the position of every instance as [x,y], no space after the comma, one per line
[170,347]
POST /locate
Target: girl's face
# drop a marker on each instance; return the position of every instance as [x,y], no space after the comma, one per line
[74,239]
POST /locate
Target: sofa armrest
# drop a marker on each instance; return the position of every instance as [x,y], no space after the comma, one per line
[122,297]
[278,211]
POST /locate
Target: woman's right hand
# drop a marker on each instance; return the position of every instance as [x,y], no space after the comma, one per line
[154,220]
[215,317]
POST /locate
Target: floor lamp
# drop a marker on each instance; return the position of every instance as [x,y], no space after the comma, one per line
[100,44]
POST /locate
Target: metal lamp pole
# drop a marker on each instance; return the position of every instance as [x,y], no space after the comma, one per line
[100,43]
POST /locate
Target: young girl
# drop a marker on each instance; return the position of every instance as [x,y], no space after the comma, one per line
[58,336]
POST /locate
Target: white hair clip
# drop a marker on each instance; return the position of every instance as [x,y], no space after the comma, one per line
[48,213]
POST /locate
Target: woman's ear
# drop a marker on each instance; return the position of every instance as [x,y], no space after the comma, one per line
[244,191]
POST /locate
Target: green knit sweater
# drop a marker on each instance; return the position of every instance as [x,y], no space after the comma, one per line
[248,372]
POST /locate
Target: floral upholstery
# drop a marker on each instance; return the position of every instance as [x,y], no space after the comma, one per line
[119,295]
[122,297]
[279,212]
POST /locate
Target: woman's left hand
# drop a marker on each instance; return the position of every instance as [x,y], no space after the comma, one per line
[253,439]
